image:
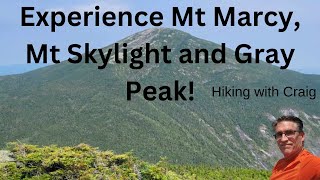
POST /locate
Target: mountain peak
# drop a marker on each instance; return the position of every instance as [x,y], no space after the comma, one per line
[72,104]
[155,34]
[159,31]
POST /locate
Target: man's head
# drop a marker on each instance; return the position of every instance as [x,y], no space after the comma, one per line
[289,135]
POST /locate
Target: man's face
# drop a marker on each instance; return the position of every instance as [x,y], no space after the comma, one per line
[294,142]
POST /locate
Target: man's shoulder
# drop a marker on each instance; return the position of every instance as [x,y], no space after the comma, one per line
[305,165]
[308,154]
[305,158]
[310,167]
[309,159]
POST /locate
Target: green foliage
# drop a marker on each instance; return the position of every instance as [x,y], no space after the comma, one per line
[208,172]
[67,104]
[79,162]
[88,163]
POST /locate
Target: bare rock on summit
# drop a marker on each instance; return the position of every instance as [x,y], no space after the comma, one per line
[5,156]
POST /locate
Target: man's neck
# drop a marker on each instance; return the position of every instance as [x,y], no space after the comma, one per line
[294,155]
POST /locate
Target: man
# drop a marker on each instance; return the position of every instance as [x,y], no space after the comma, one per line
[298,163]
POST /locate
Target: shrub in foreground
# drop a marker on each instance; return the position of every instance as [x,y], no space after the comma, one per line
[79,162]
[88,163]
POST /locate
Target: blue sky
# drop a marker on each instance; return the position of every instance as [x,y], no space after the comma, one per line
[14,37]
